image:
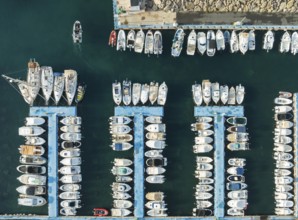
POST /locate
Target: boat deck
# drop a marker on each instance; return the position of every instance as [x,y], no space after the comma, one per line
[52,113]
[219,113]
[295,110]
[138,113]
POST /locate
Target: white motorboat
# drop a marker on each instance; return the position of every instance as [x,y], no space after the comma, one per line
[139,42]
[71,80]
[157,44]
[34,121]
[70,195]
[211,43]
[283,188]
[120,212]
[284,124]
[282,109]
[136,93]
[240,92]
[177,43]
[119,120]
[284,203]
[31,190]
[284,94]
[204,119]
[268,40]
[285,43]
[77,32]
[120,129]
[238,162]
[204,181]
[121,146]
[123,179]
[155,170]
[283,211]
[282,101]
[71,120]
[282,156]
[121,41]
[122,162]
[122,204]
[162,94]
[283,195]
[197,94]
[232,96]
[157,212]
[69,187]
[282,172]
[251,40]
[235,212]
[47,82]
[237,137]
[220,40]
[282,139]
[203,140]
[69,144]
[155,196]
[33,201]
[156,128]
[227,37]
[156,144]
[32,179]
[206,91]
[155,205]
[33,80]
[191,43]
[58,89]
[282,131]
[236,186]
[282,148]
[157,162]
[144,93]
[71,128]
[69,211]
[117,92]
[201,42]
[71,204]
[156,179]
[200,159]
[70,170]
[237,121]
[202,148]
[215,92]
[283,180]
[71,136]
[224,94]
[126,92]
[120,187]
[235,170]
[294,43]
[31,169]
[281,164]
[121,138]
[149,43]
[71,161]
[203,204]
[154,119]
[243,42]
[203,173]
[204,166]
[77,178]
[156,136]
[121,195]
[121,171]
[31,131]
[130,40]
[234,44]
[203,188]
[153,92]
[153,153]
[203,195]
[239,203]
[35,160]
[204,133]
[238,194]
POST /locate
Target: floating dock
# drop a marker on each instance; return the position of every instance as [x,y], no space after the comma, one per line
[139,113]
[52,113]
[219,113]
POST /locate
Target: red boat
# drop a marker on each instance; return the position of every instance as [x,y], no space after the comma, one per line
[112,39]
[100,212]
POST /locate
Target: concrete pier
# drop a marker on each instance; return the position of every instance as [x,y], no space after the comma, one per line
[52,113]
[138,113]
[295,151]
[219,114]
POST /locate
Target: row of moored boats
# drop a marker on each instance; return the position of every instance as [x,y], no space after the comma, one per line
[283,154]
[52,84]
[137,93]
[216,94]
[238,136]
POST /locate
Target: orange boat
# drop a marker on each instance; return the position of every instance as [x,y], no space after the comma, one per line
[100,212]
[112,39]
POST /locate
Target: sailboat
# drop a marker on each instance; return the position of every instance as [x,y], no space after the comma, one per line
[121,41]
[251,40]
[191,43]
[47,82]
[149,43]
[157,43]
[243,42]
[220,41]
[234,45]
[268,40]
[130,42]
[33,79]
[201,42]
[285,43]
[211,43]
[58,86]
[294,43]
[71,78]
[177,43]
[153,92]
[139,42]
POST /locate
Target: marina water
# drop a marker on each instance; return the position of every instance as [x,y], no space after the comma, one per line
[42,30]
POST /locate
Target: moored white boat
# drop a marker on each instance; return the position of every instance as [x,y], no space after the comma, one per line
[33,201]
[58,89]
[177,43]
[155,170]
[153,153]
[162,94]
[71,78]
[121,41]
[197,94]
[31,131]
[201,42]
[120,212]
[144,93]
[126,92]
[34,160]
[71,161]
[206,91]
[121,138]
[157,44]
[294,43]
[31,121]
[234,44]
[119,129]
[139,42]
[243,42]
[285,43]
[71,120]
[149,43]
[202,148]
[122,204]
[268,40]
[215,92]
[77,178]
[224,94]
[203,140]
[153,92]
[32,179]
[240,92]
[31,190]
[238,162]
[220,41]
[122,162]
[70,187]
[154,119]
[156,179]
[156,144]
[47,82]
[120,187]
[70,195]
[251,40]
[70,170]
[121,146]
[232,96]
[71,136]
[130,41]
[117,92]
[136,93]
[282,101]
[119,120]
[33,81]
[191,43]
[211,43]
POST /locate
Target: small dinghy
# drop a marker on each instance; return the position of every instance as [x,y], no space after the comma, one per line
[71,178]
[70,187]
[156,179]
[34,141]
[70,152]
[154,119]
[153,153]
[120,187]
[122,204]
[121,146]
[202,148]
[31,169]
[70,195]
[32,160]
[70,170]
[122,162]
[71,161]
[31,190]
[156,144]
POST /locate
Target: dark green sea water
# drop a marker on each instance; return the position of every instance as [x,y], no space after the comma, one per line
[42,29]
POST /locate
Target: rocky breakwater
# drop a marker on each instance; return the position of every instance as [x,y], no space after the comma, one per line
[263,6]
